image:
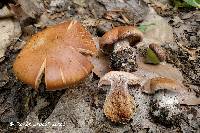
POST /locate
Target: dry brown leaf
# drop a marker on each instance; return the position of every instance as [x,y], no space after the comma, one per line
[33,8]
[162,70]
[100,62]
[18,12]
[5,12]
[10,31]
[133,10]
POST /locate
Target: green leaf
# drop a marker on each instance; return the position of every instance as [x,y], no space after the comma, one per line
[151,57]
[144,27]
[194,3]
[186,3]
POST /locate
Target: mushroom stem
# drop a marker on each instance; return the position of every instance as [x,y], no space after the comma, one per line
[120,85]
[123,57]
[121,45]
[119,105]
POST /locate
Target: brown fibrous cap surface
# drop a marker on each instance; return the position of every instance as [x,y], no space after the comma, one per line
[183,94]
[58,52]
[161,83]
[119,33]
[158,51]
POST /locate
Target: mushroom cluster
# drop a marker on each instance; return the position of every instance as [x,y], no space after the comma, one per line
[60,53]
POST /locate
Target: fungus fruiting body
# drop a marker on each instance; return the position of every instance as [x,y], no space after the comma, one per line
[58,52]
[155,54]
[161,83]
[119,33]
[118,44]
[123,57]
[168,96]
[158,51]
[119,105]
[165,109]
[184,96]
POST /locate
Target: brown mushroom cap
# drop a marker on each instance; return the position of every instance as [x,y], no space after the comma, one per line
[160,83]
[184,96]
[56,52]
[119,33]
[158,51]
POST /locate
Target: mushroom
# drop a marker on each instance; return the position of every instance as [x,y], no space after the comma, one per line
[119,105]
[159,83]
[168,96]
[184,96]
[155,54]
[59,52]
[118,41]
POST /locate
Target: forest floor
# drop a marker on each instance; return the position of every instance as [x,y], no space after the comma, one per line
[80,109]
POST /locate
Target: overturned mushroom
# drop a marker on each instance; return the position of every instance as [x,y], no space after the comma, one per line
[168,96]
[118,41]
[58,52]
[119,105]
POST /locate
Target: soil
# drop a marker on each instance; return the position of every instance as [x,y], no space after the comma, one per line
[17,100]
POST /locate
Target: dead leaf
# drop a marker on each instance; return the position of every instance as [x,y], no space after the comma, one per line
[18,11]
[158,29]
[33,8]
[5,12]
[192,52]
[101,65]
[9,32]
[100,62]
[133,10]
[20,15]
[163,69]
[80,2]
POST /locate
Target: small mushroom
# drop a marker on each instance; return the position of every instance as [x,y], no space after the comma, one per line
[168,96]
[184,96]
[119,105]
[165,109]
[158,51]
[118,42]
[160,83]
[59,52]
[155,54]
